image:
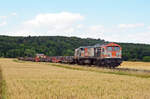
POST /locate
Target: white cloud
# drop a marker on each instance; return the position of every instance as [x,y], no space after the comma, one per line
[115,34]
[140,37]
[80,26]
[71,24]
[94,31]
[3,23]
[14,14]
[96,28]
[148,27]
[130,25]
[3,17]
[62,23]
[55,20]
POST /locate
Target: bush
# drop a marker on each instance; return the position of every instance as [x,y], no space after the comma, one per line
[146,58]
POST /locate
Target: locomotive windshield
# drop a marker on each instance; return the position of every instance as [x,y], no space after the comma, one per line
[109,48]
[112,48]
[116,48]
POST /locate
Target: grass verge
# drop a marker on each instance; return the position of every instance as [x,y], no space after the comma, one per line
[104,70]
[99,70]
[19,61]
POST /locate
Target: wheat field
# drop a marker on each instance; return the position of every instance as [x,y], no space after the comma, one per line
[29,80]
[136,65]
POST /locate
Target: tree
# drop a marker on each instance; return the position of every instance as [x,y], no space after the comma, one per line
[146,58]
[62,46]
[30,52]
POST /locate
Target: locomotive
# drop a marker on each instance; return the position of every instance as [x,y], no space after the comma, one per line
[105,55]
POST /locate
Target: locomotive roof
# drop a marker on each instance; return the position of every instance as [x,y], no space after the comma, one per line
[99,45]
[107,44]
[39,54]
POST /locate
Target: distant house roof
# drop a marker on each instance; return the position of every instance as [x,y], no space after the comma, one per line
[39,54]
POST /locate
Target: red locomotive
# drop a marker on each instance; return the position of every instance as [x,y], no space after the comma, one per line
[106,55]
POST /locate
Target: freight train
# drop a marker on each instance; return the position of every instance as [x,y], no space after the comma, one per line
[105,55]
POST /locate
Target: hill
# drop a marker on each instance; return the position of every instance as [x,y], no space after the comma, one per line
[62,46]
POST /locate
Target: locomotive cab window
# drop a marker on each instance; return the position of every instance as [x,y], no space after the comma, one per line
[116,48]
[110,48]
[82,49]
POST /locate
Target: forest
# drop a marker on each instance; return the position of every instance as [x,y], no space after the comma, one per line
[13,47]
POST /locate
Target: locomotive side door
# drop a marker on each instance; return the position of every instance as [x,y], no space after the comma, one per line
[102,53]
[97,52]
[82,52]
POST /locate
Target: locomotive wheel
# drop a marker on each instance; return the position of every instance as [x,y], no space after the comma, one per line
[81,62]
[97,63]
[87,62]
[94,62]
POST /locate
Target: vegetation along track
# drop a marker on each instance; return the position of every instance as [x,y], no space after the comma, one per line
[142,73]
[116,71]
[123,69]
[132,70]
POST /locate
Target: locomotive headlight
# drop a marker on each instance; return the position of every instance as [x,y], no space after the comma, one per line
[118,54]
[109,55]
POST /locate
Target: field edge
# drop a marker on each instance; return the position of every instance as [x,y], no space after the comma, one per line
[2,86]
[105,70]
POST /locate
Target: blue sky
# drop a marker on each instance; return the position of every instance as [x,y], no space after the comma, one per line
[112,20]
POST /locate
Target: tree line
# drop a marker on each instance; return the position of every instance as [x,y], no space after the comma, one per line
[12,47]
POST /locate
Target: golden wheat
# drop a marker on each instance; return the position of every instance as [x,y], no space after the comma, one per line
[29,80]
[136,65]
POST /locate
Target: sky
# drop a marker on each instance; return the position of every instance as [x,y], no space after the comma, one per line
[111,20]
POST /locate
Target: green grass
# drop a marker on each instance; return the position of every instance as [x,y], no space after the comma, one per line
[104,70]
[98,70]
[19,61]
